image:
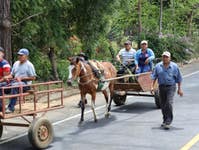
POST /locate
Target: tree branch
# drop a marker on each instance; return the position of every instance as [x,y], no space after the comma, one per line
[29,17]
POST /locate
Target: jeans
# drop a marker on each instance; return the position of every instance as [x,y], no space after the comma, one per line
[3,84]
[166,97]
[145,68]
[13,100]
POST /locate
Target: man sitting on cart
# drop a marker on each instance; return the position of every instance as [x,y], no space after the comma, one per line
[144,58]
[126,58]
[4,71]
[23,73]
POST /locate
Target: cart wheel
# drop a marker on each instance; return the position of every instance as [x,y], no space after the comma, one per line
[40,133]
[119,99]
[157,99]
[1,129]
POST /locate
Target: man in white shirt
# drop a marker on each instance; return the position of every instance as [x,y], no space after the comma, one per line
[126,58]
[23,73]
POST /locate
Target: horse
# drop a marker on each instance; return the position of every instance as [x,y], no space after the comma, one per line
[88,83]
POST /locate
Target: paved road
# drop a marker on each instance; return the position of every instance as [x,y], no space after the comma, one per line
[133,126]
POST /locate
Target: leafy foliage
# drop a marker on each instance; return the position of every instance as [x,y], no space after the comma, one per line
[99,28]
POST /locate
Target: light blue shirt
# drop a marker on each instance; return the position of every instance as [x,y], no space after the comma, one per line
[167,76]
[126,55]
[25,69]
[149,52]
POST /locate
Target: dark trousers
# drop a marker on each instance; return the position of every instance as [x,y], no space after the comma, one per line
[166,96]
[122,69]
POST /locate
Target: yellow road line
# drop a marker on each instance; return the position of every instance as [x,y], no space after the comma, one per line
[191,143]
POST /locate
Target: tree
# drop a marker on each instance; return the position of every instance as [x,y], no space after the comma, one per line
[5,28]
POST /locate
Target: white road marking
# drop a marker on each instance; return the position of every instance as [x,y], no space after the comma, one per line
[75,116]
[190,74]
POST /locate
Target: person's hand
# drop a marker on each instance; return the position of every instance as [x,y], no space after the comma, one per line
[180,92]
[146,61]
[136,67]
[18,79]
[152,90]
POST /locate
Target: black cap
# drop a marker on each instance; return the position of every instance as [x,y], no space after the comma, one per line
[1,49]
[127,42]
[82,54]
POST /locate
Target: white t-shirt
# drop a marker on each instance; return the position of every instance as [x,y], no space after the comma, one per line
[125,55]
[25,69]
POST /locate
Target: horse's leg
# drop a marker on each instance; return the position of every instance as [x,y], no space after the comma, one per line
[106,97]
[111,89]
[82,105]
[93,96]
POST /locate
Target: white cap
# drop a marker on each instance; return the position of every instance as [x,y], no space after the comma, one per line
[144,42]
[166,53]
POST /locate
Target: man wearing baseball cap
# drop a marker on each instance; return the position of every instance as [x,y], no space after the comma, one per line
[144,58]
[23,73]
[168,74]
[126,57]
[4,71]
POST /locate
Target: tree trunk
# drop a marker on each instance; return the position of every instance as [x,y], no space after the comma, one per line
[5,28]
[139,21]
[52,58]
[160,23]
[139,16]
[189,23]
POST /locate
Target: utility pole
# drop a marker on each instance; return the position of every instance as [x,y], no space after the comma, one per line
[5,28]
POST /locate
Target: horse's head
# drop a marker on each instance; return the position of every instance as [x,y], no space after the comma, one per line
[74,69]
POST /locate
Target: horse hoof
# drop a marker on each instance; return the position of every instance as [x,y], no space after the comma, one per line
[80,122]
[107,115]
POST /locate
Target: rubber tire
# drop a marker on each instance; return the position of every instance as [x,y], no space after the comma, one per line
[1,129]
[33,133]
[119,99]
[157,99]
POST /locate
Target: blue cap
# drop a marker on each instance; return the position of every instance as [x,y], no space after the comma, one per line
[23,51]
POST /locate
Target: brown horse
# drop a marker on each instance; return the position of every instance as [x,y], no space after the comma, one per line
[88,83]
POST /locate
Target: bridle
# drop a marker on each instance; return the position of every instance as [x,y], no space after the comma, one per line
[83,68]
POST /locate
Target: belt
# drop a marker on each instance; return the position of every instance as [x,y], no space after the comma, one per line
[165,85]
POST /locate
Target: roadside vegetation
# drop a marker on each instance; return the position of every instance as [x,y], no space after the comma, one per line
[55,29]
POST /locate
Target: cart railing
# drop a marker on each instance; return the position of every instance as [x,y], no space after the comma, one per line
[41,97]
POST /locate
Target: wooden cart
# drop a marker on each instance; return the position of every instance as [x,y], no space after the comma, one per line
[137,85]
[38,100]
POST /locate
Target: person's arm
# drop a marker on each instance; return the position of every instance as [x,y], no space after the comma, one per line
[118,56]
[151,57]
[154,77]
[179,82]
[179,91]
[31,78]
[136,59]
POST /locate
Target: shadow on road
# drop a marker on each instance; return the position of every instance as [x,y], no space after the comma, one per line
[90,124]
[136,108]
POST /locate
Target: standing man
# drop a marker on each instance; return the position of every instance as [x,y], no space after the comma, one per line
[168,74]
[144,58]
[4,71]
[23,73]
[126,57]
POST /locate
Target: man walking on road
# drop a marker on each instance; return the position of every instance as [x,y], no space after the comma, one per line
[168,74]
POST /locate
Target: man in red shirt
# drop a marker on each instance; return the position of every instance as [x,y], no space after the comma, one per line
[5,70]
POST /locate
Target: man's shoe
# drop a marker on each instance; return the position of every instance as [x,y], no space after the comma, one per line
[163,124]
[8,110]
[167,127]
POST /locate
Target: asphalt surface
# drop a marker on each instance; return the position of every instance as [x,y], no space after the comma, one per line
[134,126]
